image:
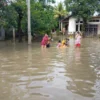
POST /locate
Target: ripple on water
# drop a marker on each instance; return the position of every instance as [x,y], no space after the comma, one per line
[52,74]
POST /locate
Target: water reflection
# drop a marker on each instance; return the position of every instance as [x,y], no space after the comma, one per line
[77,54]
[29,72]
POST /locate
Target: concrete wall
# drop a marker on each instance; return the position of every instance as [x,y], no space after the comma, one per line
[72,26]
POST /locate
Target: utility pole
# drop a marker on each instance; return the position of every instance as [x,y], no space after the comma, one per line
[29,22]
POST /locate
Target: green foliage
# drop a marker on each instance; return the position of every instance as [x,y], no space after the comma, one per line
[14,14]
[42,18]
[82,8]
[60,12]
[2,9]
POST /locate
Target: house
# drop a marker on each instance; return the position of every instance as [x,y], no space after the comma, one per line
[72,25]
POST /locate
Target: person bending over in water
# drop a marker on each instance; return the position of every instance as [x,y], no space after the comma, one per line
[44,41]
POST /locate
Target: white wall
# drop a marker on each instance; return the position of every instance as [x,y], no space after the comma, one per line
[72,25]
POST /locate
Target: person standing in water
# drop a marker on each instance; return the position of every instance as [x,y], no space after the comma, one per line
[44,41]
[78,40]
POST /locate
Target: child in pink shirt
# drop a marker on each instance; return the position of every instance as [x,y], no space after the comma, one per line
[78,40]
[59,44]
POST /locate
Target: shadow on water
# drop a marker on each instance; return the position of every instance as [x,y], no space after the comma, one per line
[28,72]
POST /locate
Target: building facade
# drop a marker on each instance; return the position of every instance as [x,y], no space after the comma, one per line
[73,25]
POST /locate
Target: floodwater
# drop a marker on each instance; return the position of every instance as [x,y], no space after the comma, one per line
[30,73]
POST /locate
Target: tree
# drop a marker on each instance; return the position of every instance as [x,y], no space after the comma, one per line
[20,7]
[82,9]
[3,3]
[14,14]
[60,13]
[42,19]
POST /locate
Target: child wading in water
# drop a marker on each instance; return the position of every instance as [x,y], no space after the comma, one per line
[78,40]
[59,44]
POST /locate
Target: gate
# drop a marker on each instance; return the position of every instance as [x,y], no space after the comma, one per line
[91,30]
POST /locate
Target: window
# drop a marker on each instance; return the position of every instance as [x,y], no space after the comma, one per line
[76,27]
[81,27]
[94,20]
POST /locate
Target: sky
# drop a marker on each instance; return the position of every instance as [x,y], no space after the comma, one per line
[57,1]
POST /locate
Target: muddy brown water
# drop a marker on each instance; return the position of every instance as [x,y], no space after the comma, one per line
[30,73]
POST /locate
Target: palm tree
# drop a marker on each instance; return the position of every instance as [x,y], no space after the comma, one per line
[60,13]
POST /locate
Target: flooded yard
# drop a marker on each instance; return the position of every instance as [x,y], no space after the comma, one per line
[30,73]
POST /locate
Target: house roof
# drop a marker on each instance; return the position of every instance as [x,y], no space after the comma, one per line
[96,16]
[67,17]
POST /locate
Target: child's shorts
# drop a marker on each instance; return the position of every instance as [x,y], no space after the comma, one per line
[78,45]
